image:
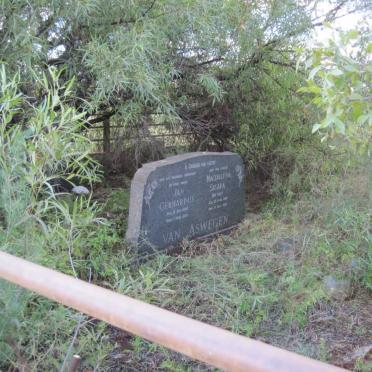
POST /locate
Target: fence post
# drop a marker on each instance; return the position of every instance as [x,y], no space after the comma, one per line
[106,144]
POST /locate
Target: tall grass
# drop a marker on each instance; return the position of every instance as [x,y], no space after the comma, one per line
[41,139]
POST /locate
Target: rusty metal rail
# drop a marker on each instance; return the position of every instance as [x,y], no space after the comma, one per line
[195,339]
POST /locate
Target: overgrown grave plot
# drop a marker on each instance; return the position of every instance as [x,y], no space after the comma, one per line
[266,281]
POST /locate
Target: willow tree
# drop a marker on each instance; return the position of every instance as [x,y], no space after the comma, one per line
[177,58]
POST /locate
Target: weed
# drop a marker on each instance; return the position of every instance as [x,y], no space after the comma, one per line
[243,283]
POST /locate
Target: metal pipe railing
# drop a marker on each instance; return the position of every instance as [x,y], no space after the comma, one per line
[195,339]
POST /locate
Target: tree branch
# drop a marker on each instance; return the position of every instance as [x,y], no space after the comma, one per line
[217,59]
[329,15]
[134,20]
[100,118]
[149,8]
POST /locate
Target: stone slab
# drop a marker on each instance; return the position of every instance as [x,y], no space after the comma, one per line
[185,196]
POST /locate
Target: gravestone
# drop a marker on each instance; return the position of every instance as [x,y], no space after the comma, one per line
[185,196]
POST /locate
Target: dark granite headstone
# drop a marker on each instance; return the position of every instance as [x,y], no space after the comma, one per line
[185,196]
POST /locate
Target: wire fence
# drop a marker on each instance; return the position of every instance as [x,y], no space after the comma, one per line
[120,137]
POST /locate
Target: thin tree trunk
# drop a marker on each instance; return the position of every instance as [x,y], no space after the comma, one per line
[106,144]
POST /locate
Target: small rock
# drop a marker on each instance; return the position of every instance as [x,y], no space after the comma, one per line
[338,289]
[80,190]
[285,245]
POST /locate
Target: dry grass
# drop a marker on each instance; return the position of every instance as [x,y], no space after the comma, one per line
[246,283]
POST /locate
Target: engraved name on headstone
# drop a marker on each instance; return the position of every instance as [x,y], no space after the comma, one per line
[185,196]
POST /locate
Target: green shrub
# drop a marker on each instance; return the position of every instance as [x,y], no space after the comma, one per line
[340,84]
[40,139]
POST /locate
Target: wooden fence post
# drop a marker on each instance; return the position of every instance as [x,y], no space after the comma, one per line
[106,144]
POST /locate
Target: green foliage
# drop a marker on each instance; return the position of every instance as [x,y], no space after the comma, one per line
[172,366]
[274,130]
[340,82]
[135,58]
[212,86]
[118,201]
[271,118]
[224,69]
[48,129]
[40,139]
[216,68]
